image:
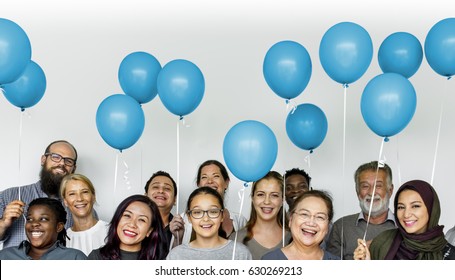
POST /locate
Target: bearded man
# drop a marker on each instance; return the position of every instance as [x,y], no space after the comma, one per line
[58,160]
[374,189]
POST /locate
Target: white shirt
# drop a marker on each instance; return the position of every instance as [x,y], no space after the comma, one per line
[89,239]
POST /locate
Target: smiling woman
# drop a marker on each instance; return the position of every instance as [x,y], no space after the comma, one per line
[419,235]
[309,221]
[135,232]
[87,232]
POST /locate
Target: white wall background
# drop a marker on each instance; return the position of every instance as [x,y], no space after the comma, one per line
[80,44]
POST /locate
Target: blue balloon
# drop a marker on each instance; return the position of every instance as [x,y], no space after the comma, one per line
[306,126]
[345,52]
[400,53]
[440,47]
[138,74]
[28,89]
[15,51]
[250,149]
[120,121]
[388,104]
[287,69]
[181,86]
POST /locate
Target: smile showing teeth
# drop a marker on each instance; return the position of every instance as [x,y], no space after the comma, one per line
[36,234]
[129,233]
[206,226]
[409,223]
[308,232]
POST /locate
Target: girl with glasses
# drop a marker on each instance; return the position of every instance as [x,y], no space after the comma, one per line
[213,174]
[205,211]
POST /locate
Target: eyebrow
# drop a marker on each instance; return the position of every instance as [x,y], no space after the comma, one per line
[167,184]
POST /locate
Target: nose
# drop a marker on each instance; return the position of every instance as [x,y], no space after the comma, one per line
[407,213]
[267,199]
[311,220]
[34,223]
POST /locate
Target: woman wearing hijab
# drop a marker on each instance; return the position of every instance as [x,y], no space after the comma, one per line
[418,236]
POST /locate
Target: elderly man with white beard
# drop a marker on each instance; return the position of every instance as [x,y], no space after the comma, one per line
[373,219]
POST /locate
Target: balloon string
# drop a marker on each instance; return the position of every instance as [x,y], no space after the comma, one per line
[290,106]
[345,87]
[439,132]
[398,162]
[308,161]
[178,163]
[125,175]
[115,176]
[241,194]
[380,164]
[284,201]
[141,159]
[20,151]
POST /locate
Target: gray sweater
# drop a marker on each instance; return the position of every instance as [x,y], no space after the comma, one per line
[224,252]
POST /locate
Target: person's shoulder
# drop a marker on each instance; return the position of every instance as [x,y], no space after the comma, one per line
[449,252]
[94,254]
[344,219]
[276,254]
[239,245]
[76,253]
[330,256]
[176,252]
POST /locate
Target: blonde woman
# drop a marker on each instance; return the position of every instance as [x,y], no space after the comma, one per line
[87,232]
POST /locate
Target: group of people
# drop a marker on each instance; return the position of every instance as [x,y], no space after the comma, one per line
[55,218]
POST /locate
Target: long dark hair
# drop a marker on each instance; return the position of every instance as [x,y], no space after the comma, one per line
[153,247]
[59,211]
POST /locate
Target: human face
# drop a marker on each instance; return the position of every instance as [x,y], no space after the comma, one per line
[267,199]
[295,185]
[42,227]
[381,196]
[205,227]
[59,168]
[211,176]
[79,198]
[161,191]
[412,212]
[134,226]
[309,223]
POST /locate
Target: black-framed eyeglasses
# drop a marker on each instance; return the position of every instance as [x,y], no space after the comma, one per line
[57,158]
[211,213]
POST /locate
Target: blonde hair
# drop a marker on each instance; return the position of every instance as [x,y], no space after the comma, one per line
[76,177]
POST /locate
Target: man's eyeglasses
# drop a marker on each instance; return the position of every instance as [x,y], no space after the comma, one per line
[307,216]
[57,158]
[211,213]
